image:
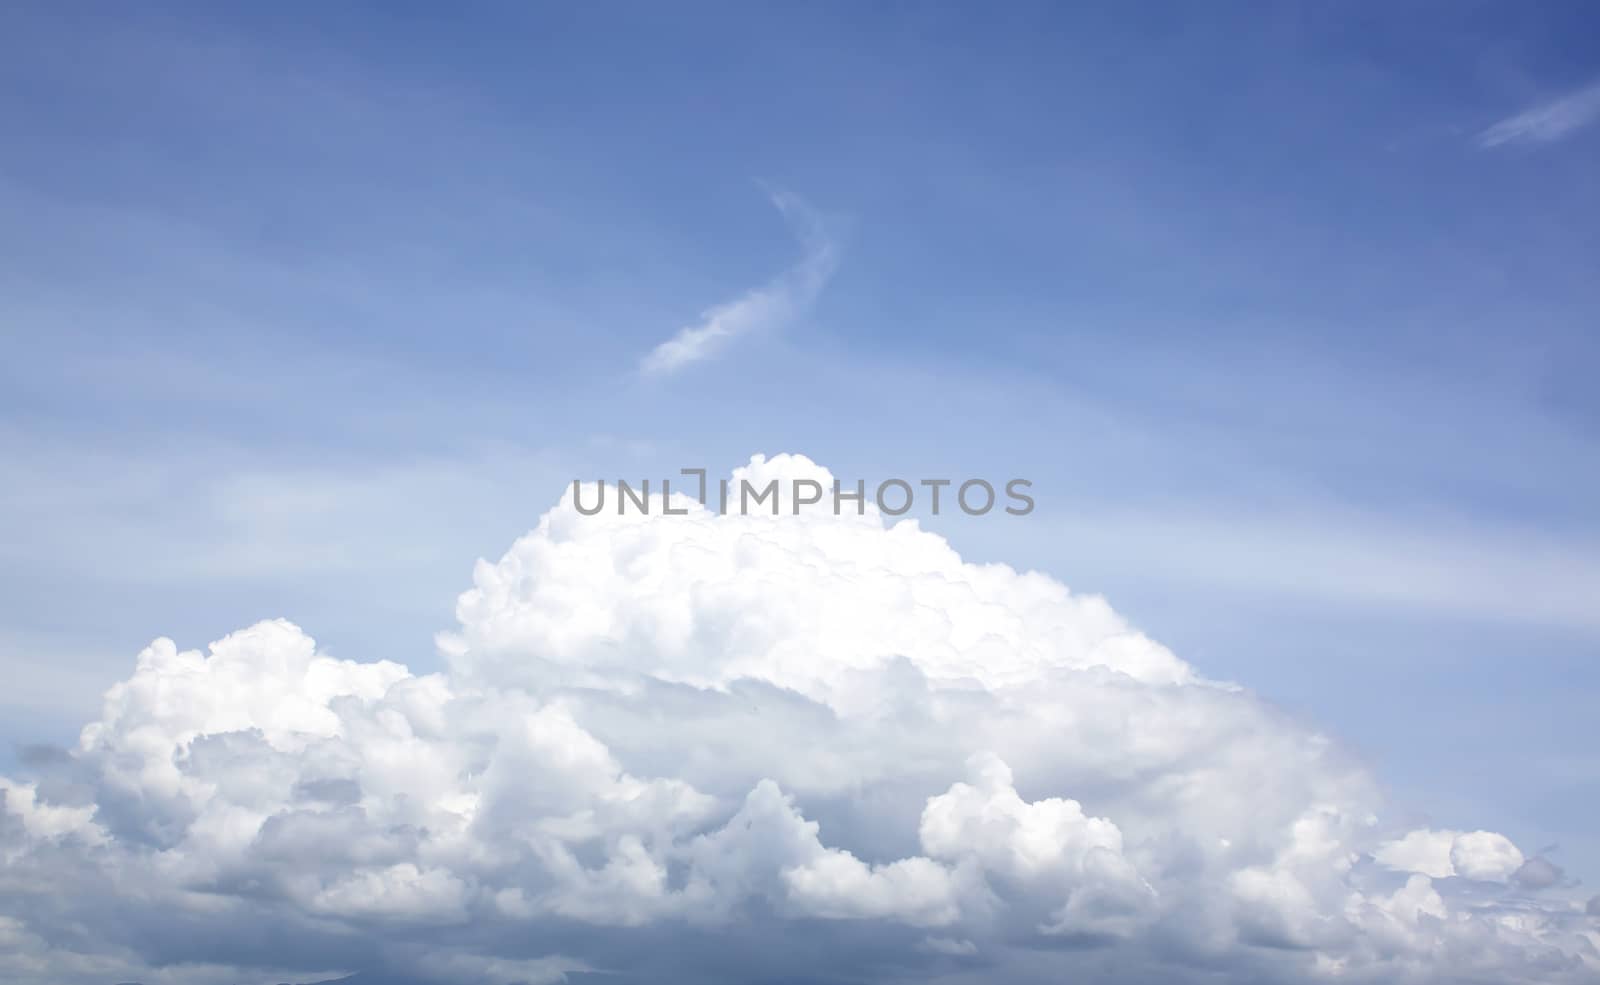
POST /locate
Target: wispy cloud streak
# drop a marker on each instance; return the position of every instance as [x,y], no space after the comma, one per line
[766,307]
[1548,122]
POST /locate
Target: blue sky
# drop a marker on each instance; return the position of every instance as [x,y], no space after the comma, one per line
[1289,313]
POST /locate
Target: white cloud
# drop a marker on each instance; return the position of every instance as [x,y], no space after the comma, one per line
[1485,855]
[1481,855]
[1423,851]
[755,738]
[1547,122]
[759,309]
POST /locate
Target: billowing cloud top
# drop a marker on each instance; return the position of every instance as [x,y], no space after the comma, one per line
[736,748]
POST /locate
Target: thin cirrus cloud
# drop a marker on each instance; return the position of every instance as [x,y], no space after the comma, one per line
[763,308]
[1547,122]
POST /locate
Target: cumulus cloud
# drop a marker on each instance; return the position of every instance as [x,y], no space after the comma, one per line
[1480,855]
[1538,873]
[730,748]
[760,309]
[1547,122]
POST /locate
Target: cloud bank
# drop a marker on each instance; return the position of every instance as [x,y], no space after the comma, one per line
[764,308]
[741,748]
